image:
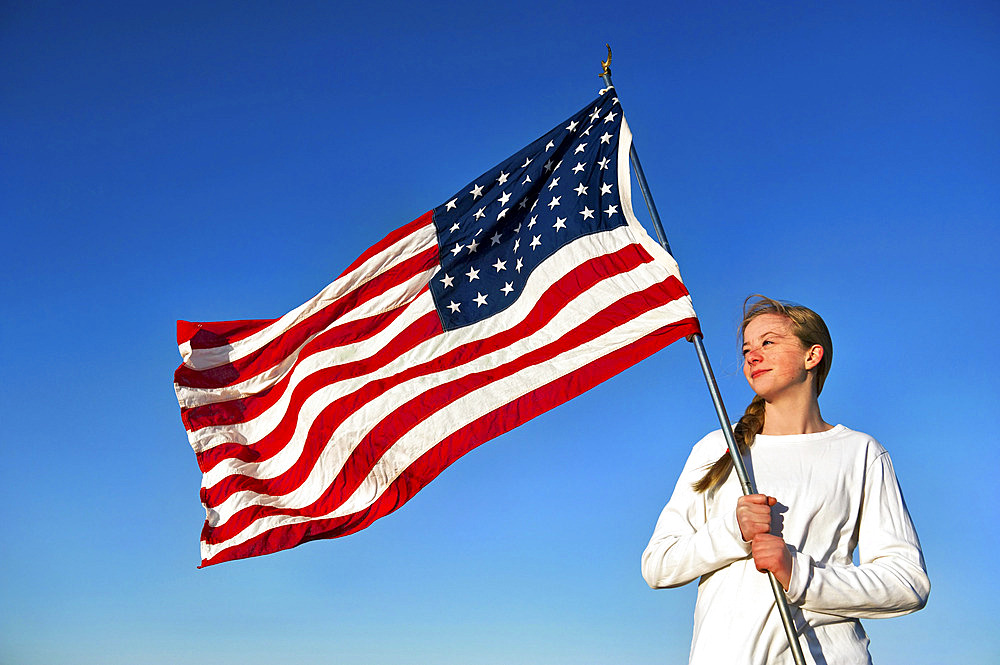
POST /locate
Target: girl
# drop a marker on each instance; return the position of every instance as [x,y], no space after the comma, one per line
[828,489]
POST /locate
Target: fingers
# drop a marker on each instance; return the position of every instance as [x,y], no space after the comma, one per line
[753,514]
[759,499]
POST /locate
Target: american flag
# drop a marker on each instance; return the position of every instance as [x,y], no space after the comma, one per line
[532,284]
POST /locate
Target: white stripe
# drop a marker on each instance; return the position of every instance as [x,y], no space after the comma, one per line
[625,194]
[401,250]
[394,297]
[445,422]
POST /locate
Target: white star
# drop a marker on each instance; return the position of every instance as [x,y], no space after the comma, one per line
[448,281]
[517,229]
[473,246]
[611,210]
[502,213]
[503,178]
[548,145]
[580,190]
[504,198]
[554,183]
[535,242]
[586,132]
[560,223]
[495,240]
[477,233]
[526,162]
[527,179]
[480,299]
[520,264]
[454,307]
[480,213]
[609,117]
[596,114]
[548,165]
[534,220]
[605,188]
[476,192]
[517,244]
[604,163]
[558,165]
[457,248]
[606,138]
[507,288]
[473,274]
[500,265]
[533,205]
[571,126]
[554,202]
[579,167]
[450,205]
[523,203]
[587,213]
[580,148]
[614,101]
[454,227]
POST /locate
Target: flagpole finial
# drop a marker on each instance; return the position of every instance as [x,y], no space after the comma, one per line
[606,64]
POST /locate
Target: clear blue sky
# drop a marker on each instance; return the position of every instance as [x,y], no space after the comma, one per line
[213,161]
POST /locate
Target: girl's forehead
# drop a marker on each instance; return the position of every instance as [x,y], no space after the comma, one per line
[775,324]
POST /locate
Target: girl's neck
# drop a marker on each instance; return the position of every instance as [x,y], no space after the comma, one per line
[795,417]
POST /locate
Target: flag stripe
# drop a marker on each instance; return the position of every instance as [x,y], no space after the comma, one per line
[434,461]
[420,238]
[439,393]
[436,399]
[580,251]
[290,343]
[239,410]
[447,359]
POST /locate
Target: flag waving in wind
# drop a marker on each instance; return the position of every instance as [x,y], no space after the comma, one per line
[532,284]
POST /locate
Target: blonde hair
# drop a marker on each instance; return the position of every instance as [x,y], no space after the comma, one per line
[810,329]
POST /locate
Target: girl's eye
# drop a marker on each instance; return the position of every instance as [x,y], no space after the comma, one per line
[746,351]
[766,342]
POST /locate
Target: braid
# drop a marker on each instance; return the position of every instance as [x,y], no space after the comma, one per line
[745,432]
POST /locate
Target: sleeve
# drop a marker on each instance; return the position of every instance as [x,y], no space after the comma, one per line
[891,579]
[686,544]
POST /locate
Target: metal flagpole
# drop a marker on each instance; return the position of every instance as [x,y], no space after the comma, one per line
[713,388]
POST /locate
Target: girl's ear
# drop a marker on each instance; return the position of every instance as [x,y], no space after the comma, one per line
[814,356]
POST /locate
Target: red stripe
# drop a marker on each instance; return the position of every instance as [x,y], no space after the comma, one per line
[280,348]
[272,443]
[218,333]
[432,463]
[568,287]
[409,415]
[392,239]
[241,410]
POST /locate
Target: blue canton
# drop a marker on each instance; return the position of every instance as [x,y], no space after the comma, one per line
[497,229]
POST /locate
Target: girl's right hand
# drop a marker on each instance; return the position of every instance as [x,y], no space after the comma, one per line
[753,514]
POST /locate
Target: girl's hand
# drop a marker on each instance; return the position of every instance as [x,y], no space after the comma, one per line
[771,554]
[753,514]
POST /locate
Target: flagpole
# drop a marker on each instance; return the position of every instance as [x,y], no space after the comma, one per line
[713,388]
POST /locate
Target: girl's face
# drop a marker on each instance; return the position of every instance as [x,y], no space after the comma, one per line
[774,360]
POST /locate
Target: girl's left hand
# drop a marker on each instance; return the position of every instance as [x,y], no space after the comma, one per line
[771,554]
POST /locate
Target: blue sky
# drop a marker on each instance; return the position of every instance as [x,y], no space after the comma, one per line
[211,161]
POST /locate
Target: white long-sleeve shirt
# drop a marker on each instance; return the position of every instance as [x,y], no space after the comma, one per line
[836,491]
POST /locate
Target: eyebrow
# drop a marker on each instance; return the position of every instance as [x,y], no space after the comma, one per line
[765,334]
